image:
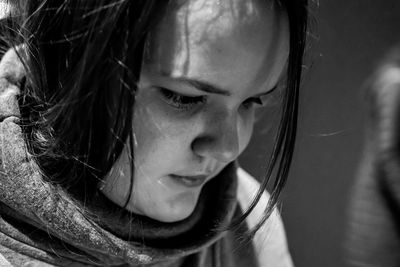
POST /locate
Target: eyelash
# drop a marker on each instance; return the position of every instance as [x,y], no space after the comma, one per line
[180,101]
[184,102]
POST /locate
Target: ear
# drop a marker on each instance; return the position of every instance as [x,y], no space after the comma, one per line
[5,9]
[12,75]
[8,15]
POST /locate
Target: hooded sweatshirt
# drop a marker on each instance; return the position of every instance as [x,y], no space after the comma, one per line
[42,225]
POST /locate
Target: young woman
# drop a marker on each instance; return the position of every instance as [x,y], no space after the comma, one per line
[122,122]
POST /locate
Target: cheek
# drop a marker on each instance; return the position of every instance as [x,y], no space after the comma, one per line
[245,129]
[158,135]
[151,134]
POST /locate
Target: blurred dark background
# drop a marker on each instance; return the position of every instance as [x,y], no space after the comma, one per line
[348,39]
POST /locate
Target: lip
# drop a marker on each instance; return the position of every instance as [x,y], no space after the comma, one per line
[189,180]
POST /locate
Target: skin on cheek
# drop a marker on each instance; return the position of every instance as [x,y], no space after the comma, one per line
[245,132]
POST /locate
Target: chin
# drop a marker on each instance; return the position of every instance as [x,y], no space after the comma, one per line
[175,210]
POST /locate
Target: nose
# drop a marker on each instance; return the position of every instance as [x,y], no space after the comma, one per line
[219,139]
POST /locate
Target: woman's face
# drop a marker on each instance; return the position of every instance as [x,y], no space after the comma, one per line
[208,65]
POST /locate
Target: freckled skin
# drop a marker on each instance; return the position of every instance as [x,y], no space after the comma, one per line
[239,46]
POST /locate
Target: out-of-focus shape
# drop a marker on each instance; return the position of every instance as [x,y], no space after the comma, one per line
[373,238]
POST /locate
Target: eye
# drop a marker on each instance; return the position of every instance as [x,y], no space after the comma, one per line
[180,101]
[252,102]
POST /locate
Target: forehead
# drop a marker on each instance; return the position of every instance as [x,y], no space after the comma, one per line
[215,40]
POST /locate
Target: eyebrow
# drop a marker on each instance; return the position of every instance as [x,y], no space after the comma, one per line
[203,86]
[209,88]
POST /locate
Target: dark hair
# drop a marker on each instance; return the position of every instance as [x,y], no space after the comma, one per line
[282,153]
[83,67]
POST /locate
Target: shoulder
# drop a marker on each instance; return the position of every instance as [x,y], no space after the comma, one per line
[270,241]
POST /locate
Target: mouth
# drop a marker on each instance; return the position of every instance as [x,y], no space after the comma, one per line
[189,180]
